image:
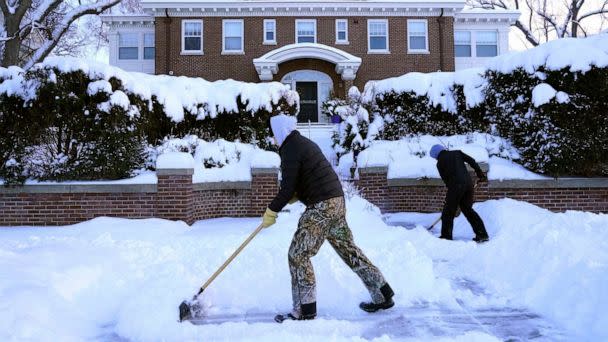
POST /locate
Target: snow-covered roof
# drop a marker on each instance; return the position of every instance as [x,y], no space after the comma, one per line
[413,2]
[106,18]
[469,14]
[303,6]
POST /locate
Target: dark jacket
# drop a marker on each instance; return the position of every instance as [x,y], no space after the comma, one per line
[452,169]
[305,171]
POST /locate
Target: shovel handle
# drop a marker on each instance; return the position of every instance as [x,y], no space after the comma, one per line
[238,250]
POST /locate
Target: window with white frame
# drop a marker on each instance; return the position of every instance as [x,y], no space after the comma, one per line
[377,35]
[128,46]
[486,43]
[306,31]
[270,31]
[341,31]
[417,35]
[192,36]
[232,36]
[149,46]
[462,43]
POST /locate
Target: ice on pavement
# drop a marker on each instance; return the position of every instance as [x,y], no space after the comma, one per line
[541,276]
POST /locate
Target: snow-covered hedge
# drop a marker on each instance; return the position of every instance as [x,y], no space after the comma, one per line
[408,157]
[218,160]
[71,119]
[550,101]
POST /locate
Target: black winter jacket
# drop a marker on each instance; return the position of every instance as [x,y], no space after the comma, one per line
[452,169]
[305,171]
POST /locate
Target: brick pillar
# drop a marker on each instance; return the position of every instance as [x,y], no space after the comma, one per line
[264,187]
[174,197]
[374,186]
[347,85]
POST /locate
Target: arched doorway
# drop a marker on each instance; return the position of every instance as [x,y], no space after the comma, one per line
[314,88]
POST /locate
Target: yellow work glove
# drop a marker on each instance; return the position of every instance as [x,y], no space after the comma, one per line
[294,199]
[269,218]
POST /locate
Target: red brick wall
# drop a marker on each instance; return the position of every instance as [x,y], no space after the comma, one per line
[172,198]
[420,197]
[212,65]
[176,198]
[41,209]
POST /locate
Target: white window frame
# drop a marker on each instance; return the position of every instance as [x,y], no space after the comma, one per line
[314,21]
[144,46]
[139,42]
[471,43]
[345,40]
[369,50]
[426,37]
[474,43]
[274,41]
[233,52]
[191,52]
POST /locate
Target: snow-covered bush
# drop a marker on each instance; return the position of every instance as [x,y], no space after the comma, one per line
[218,160]
[357,129]
[81,129]
[550,101]
[558,119]
[70,119]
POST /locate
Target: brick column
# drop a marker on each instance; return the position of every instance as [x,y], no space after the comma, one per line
[174,197]
[264,187]
[374,186]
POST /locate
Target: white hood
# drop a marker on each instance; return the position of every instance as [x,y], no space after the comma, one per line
[282,125]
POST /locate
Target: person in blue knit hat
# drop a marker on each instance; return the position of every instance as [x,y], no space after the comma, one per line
[460,193]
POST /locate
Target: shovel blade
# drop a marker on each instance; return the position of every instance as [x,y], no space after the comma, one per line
[190,310]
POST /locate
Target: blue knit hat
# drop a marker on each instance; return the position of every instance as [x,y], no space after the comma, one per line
[435,150]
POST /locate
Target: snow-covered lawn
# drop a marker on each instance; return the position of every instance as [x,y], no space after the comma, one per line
[542,275]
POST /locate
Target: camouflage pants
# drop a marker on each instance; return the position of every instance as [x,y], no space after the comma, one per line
[326,221]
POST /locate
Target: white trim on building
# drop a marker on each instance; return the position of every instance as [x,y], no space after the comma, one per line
[138,25]
[268,64]
[480,20]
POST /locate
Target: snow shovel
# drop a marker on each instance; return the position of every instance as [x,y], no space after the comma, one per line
[193,309]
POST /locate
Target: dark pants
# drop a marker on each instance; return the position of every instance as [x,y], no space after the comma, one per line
[460,195]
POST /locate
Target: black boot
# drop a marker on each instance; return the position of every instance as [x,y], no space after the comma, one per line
[481,239]
[388,303]
[308,311]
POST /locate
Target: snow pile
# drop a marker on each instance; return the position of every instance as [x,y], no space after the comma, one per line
[176,94]
[576,54]
[544,93]
[218,160]
[437,86]
[116,279]
[408,157]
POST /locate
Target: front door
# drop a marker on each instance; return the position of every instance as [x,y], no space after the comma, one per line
[309,109]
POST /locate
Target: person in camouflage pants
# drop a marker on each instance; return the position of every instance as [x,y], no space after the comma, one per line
[307,176]
[326,221]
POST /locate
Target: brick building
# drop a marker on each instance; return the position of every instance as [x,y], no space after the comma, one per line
[318,48]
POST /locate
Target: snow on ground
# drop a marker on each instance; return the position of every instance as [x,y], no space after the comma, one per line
[541,276]
[409,157]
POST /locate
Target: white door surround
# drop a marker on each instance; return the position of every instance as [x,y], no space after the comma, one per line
[324,86]
[268,64]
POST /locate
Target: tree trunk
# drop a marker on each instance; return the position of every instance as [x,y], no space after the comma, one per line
[10,55]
